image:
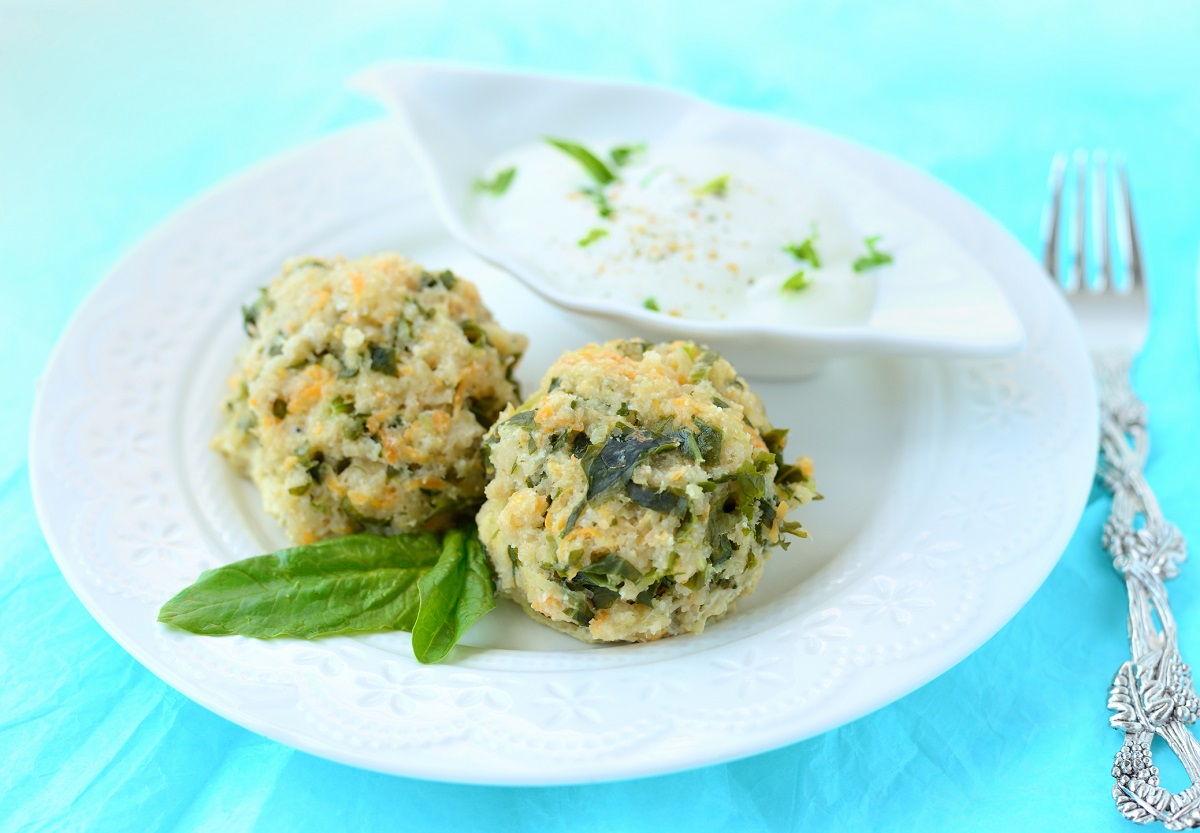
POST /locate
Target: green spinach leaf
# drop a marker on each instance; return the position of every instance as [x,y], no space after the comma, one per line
[610,570]
[383,359]
[667,501]
[615,460]
[524,419]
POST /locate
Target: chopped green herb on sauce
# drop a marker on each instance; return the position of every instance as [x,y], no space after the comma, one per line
[714,187]
[498,184]
[798,280]
[651,304]
[600,199]
[806,250]
[590,162]
[624,155]
[592,236]
[873,258]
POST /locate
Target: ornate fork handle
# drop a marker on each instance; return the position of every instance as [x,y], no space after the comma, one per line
[1153,692]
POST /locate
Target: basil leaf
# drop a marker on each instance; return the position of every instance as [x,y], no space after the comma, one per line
[355,584]
[590,162]
[454,594]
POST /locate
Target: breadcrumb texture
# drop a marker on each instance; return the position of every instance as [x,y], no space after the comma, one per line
[636,493]
[361,399]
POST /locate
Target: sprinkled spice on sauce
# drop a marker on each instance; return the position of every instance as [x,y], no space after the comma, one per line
[710,232]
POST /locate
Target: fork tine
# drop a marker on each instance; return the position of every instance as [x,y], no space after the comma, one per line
[1102,250]
[1078,277]
[1052,214]
[1127,233]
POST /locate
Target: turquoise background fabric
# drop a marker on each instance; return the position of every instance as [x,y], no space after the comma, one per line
[112,114]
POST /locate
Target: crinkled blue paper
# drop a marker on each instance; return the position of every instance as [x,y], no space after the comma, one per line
[113,114]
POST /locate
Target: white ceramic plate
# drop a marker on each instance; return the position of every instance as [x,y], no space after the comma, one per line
[952,488]
[934,300]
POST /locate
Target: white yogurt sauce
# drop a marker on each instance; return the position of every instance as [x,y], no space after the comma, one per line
[713,256]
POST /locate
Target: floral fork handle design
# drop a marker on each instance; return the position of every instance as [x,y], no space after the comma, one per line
[1153,692]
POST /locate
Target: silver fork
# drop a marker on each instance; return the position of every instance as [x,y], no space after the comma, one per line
[1153,692]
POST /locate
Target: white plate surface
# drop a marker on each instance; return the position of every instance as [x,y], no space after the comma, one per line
[952,487]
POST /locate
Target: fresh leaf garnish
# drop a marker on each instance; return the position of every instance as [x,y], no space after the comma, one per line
[806,250]
[873,258]
[624,155]
[715,187]
[651,304]
[799,280]
[454,595]
[590,162]
[355,584]
[498,184]
[592,236]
